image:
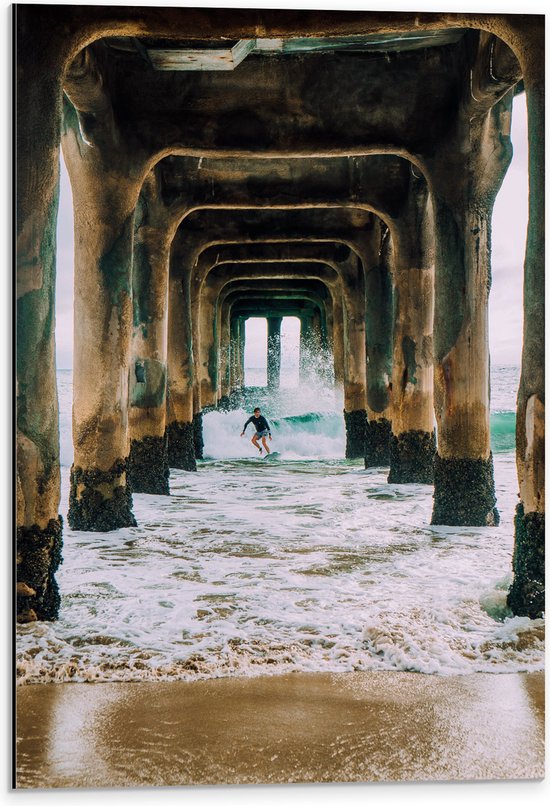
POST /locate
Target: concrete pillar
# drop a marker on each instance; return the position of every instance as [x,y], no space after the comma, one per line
[317,363]
[338,338]
[319,344]
[317,329]
[148,470]
[39,526]
[225,358]
[526,596]
[105,185]
[326,344]
[198,438]
[180,417]
[274,352]
[379,338]
[235,385]
[464,183]
[355,414]
[100,498]
[412,413]
[207,344]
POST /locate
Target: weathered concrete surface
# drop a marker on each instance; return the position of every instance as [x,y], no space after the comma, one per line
[355,422]
[377,441]
[411,457]
[100,500]
[252,227]
[105,192]
[181,445]
[464,492]
[377,182]
[379,336]
[464,183]
[180,410]
[148,470]
[39,526]
[228,120]
[224,353]
[79,25]
[379,322]
[38,556]
[274,351]
[526,595]
[412,412]
[237,379]
[198,439]
[220,183]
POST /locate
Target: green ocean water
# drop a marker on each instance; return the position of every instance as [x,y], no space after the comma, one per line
[503,426]
[503,431]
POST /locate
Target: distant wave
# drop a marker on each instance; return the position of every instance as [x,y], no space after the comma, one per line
[503,427]
[318,420]
[503,431]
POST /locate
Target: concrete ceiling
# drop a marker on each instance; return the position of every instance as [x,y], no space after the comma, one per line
[208,55]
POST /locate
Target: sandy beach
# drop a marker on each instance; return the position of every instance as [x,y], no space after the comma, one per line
[382,726]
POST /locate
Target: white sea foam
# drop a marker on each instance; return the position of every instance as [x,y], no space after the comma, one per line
[253,567]
[307,562]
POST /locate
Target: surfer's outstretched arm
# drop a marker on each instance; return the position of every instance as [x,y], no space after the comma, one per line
[245,426]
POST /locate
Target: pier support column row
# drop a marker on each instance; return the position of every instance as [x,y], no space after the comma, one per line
[526,596]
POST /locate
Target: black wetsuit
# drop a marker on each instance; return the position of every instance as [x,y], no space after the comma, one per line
[260,424]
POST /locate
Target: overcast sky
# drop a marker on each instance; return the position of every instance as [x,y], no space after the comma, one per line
[509,234]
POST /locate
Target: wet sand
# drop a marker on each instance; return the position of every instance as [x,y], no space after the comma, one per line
[381,726]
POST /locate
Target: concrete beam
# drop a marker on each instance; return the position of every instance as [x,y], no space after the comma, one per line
[417,92]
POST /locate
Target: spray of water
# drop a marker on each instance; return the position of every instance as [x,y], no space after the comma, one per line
[314,435]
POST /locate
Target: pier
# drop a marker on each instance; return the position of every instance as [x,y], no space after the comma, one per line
[339,167]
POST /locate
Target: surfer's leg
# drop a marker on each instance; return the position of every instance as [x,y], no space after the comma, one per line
[254,441]
[264,443]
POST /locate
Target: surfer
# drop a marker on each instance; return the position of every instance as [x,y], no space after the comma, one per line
[262,430]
